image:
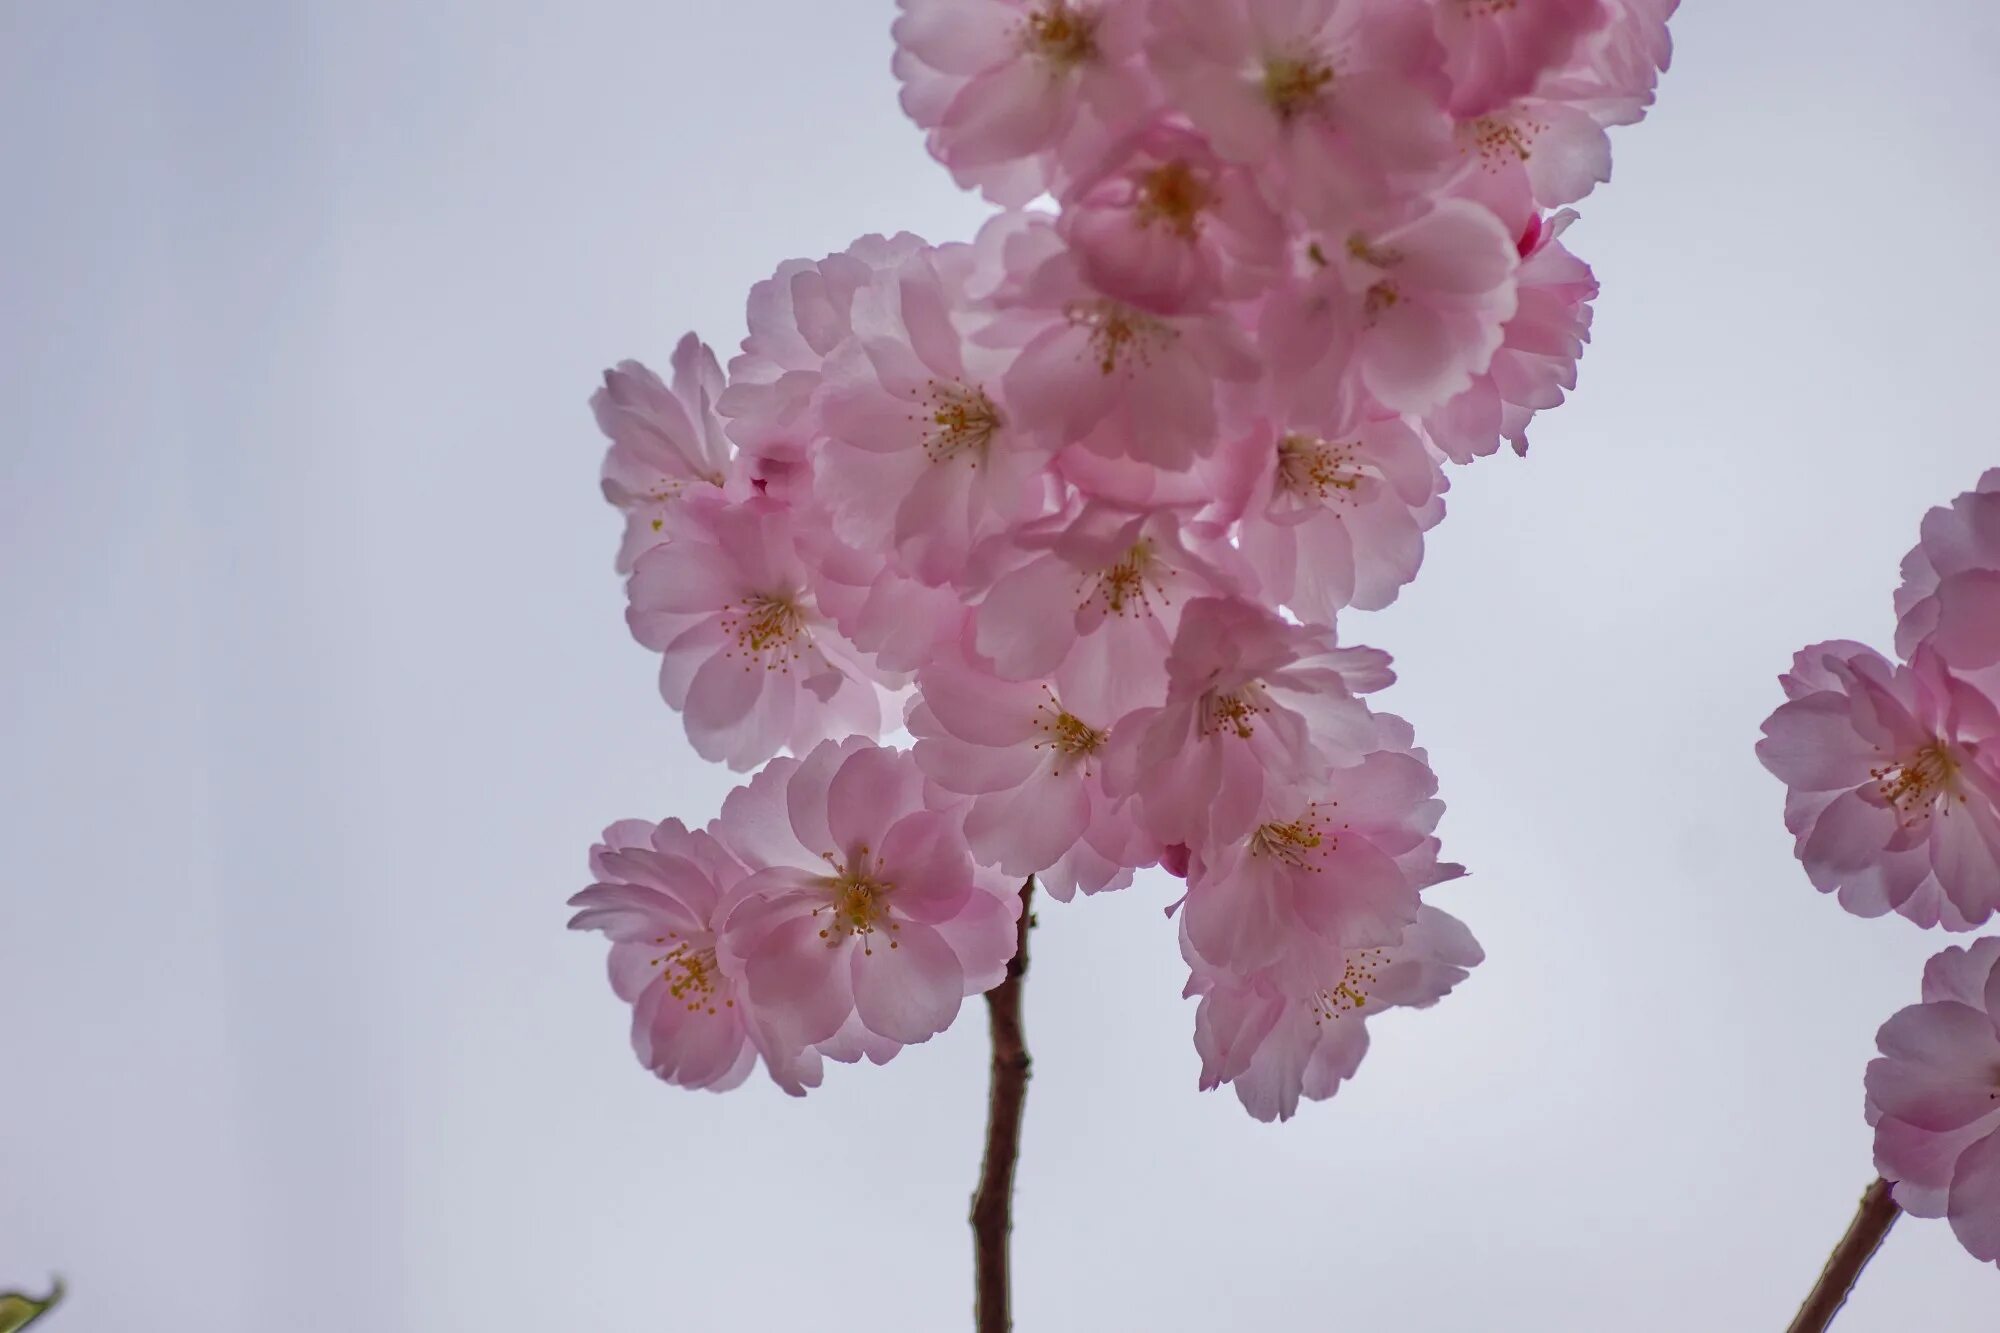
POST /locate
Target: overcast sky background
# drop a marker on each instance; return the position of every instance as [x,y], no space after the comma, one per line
[315,690]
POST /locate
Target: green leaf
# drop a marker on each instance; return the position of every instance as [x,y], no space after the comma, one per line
[18,1311]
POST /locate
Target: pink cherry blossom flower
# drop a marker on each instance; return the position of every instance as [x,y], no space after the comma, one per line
[1612,72]
[1340,858]
[1098,591]
[1893,784]
[662,440]
[1255,707]
[1934,1097]
[863,905]
[1950,594]
[1339,101]
[1015,96]
[1167,226]
[1101,373]
[1539,350]
[747,658]
[897,620]
[1531,154]
[1027,755]
[1300,1028]
[797,317]
[656,896]
[1329,523]
[924,456]
[1498,50]
[1409,315]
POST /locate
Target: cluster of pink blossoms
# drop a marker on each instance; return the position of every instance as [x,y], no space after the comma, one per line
[1892,770]
[1078,503]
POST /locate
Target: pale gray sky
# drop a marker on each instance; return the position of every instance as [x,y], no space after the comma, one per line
[315,690]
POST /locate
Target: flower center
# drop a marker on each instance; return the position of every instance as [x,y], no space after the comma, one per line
[963,420]
[1914,786]
[1351,991]
[1295,842]
[1174,196]
[1233,711]
[1061,35]
[691,971]
[771,626]
[1292,83]
[1118,333]
[1375,256]
[1319,468]
[1067,734]
[1126,587]
[1379,299]
[1497,140]
[857,904]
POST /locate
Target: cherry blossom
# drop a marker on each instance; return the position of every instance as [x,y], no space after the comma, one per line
[1100,590]
[1950,594]
[1498,50]
[863,903]
[663,441]
[746,657]
[1340,859]
[923,455]
[1531,154]
[1934,1097]
[1105,374]
[1016,96]
[1330,523]
[1169,227]
[1893,783]
[896,619]
[1338,102]
[1539,350]
[1255,707]
[657,890]
[797,317]
[1300,1027]
[1027,754]
[1613,72]
[1408,314]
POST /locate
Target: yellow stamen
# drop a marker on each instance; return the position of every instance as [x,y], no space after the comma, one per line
[692,972]
[1319,468]
[1127,587]
[857,903]
[1380,298]
[1916,786]
[1062,35]
[1351,991]
[1375,256]
[1174,196]
[961,421]
[1294,842]
[1119,334]
[1497,141]
[1068,735]
[1229,712]
[771,627]
[1292,83]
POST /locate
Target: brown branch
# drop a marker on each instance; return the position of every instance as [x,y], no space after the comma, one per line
[1871,1223]
[993,1201]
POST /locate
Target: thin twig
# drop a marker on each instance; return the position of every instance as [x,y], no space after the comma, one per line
[1871,1223]
[993,1201]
